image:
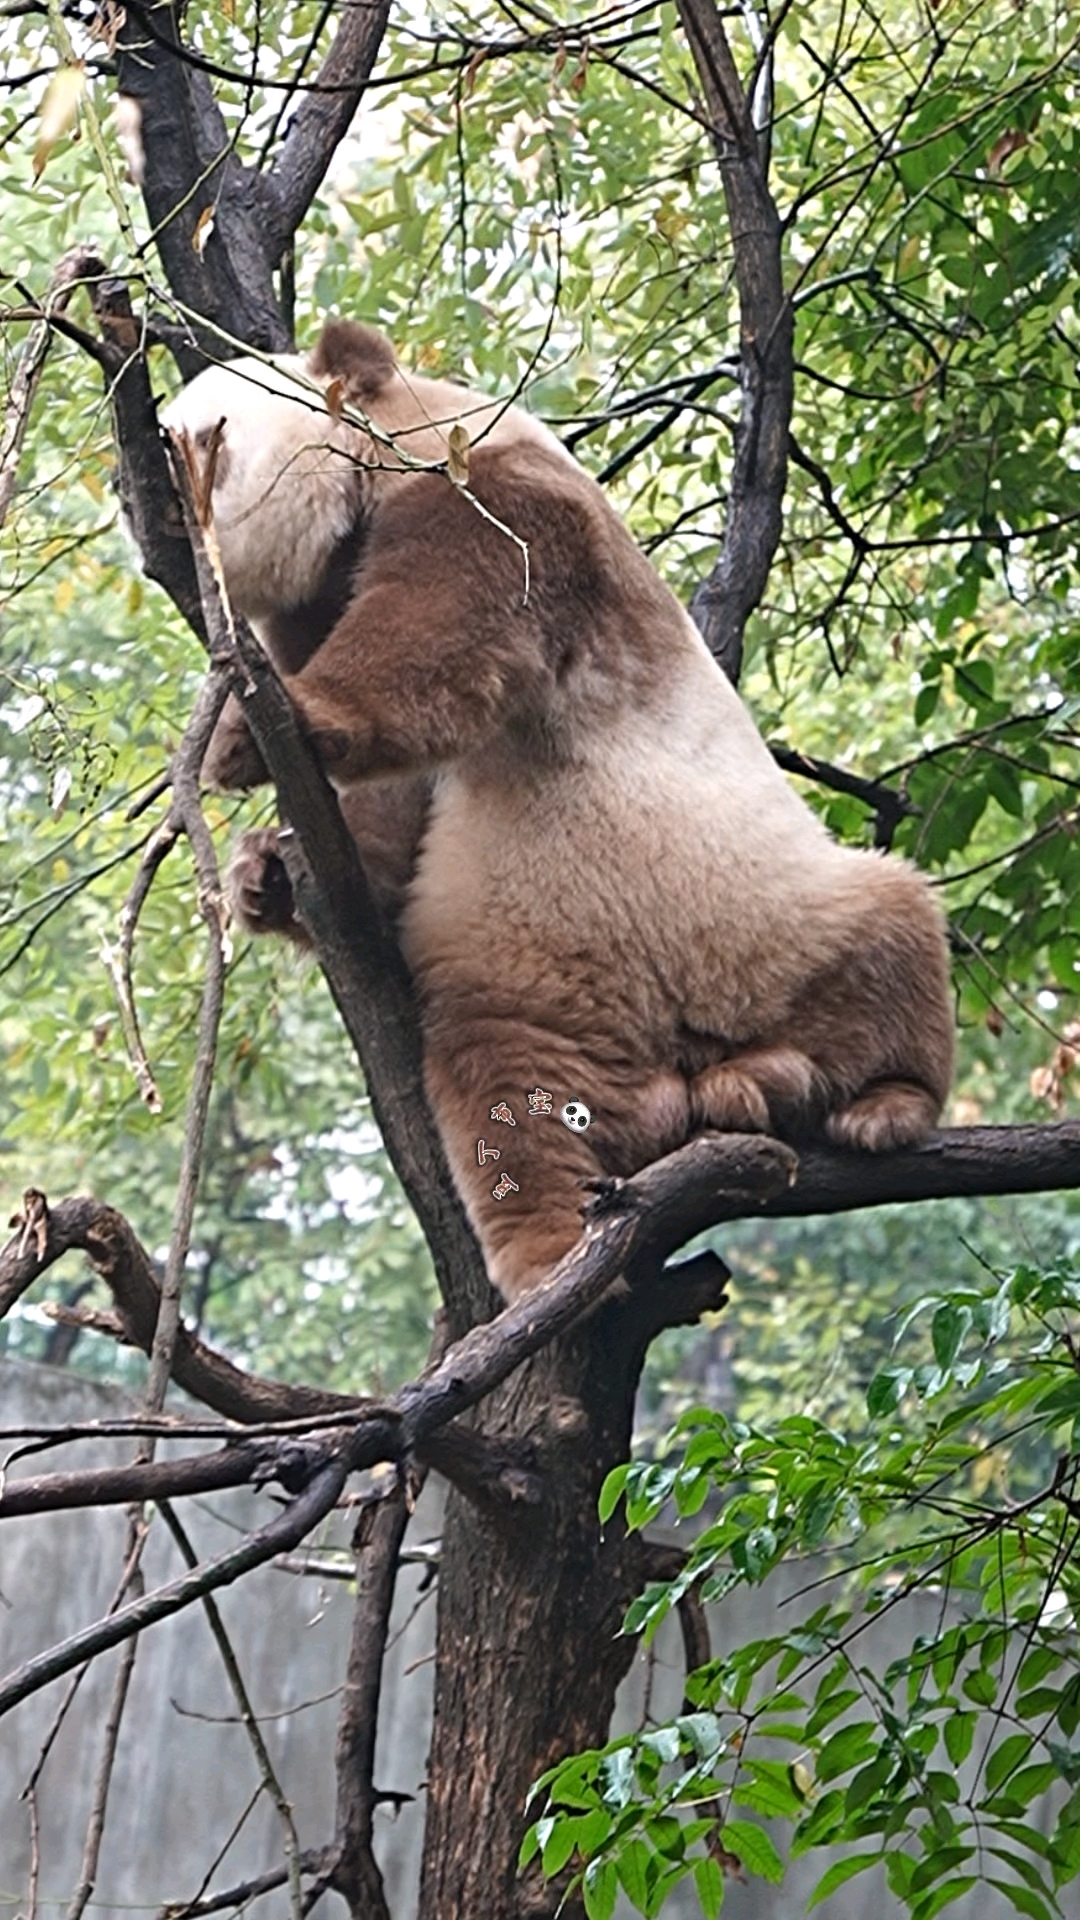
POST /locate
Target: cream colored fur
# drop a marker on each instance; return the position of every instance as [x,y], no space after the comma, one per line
[617,897]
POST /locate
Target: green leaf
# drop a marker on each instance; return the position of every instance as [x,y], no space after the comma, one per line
[1007,1758]
[848,1748]
[980,1686]
[841,1871]
[533,1841]
[612,1491]
[948,1331]
[709,1882]
[765,1788]
[754,1848]
[600,1889]
[886,1390]
[704,1734]
[868,1782]
[943,1896]
[632,1866]
[941,1860]
[616,1777]
[959,1733]
[1025,1899]
[559,1846]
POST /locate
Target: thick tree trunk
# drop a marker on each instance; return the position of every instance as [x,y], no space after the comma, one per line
[531,1600]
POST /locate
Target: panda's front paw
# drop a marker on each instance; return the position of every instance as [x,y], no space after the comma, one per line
[260,891]
[233,761]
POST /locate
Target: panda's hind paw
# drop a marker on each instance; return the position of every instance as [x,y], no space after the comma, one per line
[890,1116]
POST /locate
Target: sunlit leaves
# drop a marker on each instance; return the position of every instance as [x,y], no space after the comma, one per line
[936,1768]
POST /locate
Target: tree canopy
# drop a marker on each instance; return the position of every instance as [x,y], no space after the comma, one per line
[800,290]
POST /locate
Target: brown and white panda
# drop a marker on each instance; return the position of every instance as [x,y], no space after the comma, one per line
[605,889]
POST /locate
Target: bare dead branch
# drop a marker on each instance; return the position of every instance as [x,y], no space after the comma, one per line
[125,1267]
[286,1530]
[188,807]
[115,1486]
[631,1218]
[377,1542]
[268,1778]
[715,1178]
[314,1861]
[103,1780]
[326,112]
[212,697]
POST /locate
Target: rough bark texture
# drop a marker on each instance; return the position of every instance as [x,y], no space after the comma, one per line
[193,176]
[724,602]
[530,1606]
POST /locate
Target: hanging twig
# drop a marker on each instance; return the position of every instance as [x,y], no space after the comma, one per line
[212,698]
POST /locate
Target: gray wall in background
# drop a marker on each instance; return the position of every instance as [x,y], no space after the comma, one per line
[184,1774]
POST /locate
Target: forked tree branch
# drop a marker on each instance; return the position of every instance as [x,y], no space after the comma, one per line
[629,1221]
[325,114]
[224,229]
[716,1178]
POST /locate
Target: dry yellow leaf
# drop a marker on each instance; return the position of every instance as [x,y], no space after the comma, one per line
[457,455]
[59,109]
[204,227]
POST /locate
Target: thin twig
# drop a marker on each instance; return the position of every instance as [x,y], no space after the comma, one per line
[96,1824]
[241,1895]
[186,770]
[270,1782]
[24,385]
[212,697]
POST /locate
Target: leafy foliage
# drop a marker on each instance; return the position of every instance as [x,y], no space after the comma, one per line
[964,1485]
[535,204]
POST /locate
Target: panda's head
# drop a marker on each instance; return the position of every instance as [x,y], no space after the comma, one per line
[286,479]
[575,1115]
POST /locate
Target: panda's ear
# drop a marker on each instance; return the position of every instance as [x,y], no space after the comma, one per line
[359,357]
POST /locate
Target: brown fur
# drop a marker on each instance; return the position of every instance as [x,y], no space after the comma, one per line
[611,893]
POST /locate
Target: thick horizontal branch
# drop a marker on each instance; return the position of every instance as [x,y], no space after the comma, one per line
[109,1486]
[715,1179]
[719,1177]
[955,1163]
[631,1219]
[494,1474]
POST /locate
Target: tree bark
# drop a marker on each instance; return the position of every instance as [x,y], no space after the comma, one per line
[529,1653]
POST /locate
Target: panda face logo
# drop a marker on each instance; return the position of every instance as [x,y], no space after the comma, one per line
[576,1116]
